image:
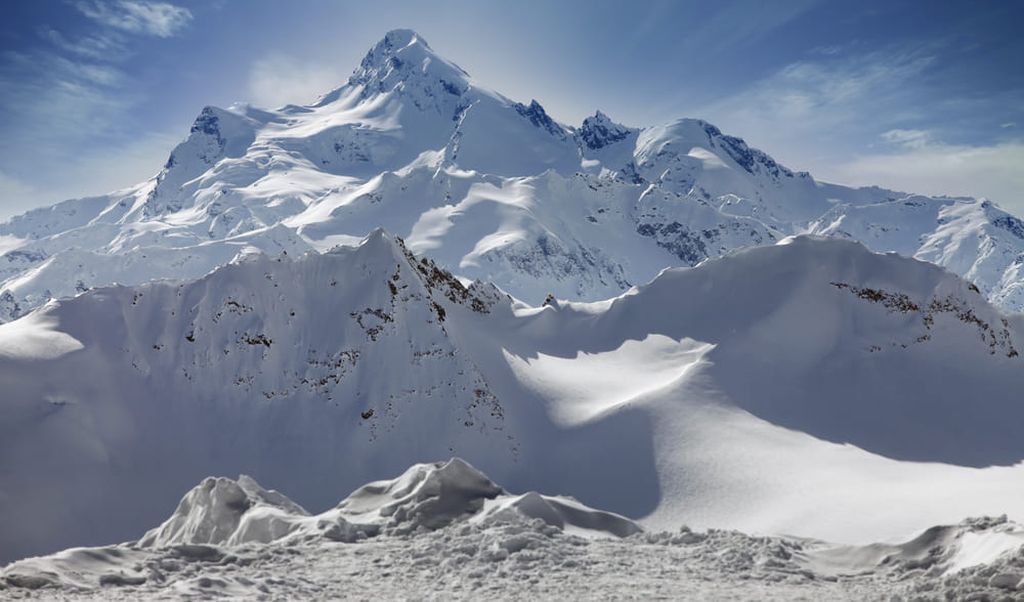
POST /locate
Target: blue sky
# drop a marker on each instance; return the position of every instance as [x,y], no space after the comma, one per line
[923,96]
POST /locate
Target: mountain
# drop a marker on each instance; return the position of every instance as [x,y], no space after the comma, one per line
[491,188]
[445,530]
[794,388]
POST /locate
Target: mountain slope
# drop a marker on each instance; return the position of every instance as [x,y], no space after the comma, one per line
[780,389]
[492,188]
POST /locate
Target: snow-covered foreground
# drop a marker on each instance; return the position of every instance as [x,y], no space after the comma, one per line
[491,188]
[444,531]
[811,388]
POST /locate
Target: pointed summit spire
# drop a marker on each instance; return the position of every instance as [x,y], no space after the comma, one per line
[600,131]
[401,38]
[394,42]
[402,61]
[401,55]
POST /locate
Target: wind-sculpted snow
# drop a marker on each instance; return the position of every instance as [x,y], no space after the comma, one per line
[425,497]
[444,530]
[492,188]
[780,389]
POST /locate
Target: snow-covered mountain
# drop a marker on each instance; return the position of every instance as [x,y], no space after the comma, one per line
[794,388]
[489,187]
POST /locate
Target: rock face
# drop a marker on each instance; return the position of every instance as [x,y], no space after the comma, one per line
[490,188]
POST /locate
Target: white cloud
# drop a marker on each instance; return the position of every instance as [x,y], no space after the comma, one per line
[159,19]
[278,80]
[935,168]
[908,138]
[55,100]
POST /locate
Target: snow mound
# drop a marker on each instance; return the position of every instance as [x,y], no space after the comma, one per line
[936,552]
[426,496]
[431,496]
[224,511]
[473,539]
[560,512]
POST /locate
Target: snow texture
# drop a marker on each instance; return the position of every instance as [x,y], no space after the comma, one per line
[452,545]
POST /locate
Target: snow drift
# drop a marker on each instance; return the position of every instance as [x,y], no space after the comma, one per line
[223,511]
[448,525]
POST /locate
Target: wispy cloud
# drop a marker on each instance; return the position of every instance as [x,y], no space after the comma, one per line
[159,19]
[69,101]
[815,94]
[277,79]
[107,46]
[74,85]
[908,138]
[51,95]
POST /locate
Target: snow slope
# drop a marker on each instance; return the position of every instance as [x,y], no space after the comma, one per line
[491,188]
[444,530]
[795,388]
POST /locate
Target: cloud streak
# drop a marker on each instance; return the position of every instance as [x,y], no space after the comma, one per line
[67,102]
[102,47]
[829,93]
[908,138]
[159,19]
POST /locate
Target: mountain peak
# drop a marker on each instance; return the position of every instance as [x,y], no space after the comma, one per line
[401,55]
[539,117]
[600,131]
[401,38]
[394,42]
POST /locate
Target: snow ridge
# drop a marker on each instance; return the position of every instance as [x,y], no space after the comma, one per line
[364,360]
